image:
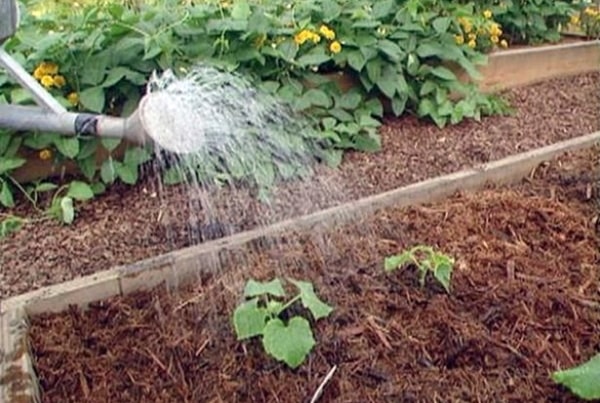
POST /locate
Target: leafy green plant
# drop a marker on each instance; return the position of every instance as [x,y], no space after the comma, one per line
[261,314]
[426,260]
[583,379]
[61,206]
[531,21]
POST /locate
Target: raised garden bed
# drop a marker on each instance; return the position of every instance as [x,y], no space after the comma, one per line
[523,301]
[506,69]
[134,223]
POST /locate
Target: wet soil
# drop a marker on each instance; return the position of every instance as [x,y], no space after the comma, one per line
[128,224]
[524,301]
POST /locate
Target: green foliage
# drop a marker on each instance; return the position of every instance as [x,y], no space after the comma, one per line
[426,260]
[261,314]
[583,379]
[531,21]
[401,54]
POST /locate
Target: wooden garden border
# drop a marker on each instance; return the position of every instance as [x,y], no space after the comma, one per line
[505,69]
[18,382]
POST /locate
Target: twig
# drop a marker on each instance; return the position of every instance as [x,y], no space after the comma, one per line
[326,380]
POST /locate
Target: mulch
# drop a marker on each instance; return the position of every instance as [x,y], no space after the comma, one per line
[128,224]
[524,302]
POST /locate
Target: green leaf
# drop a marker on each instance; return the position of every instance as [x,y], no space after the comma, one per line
[331,10]
[392,50]
[313,59]
[10,225]
[441,24]
[311,301]
[356,60]
[8,164]
[388,82]
[442,269]
[108,172]
[127,173]
[382,8]
[349,100]
[136,156]
[366,142]
[288,49]
[67,146]
[67,210]
[290,344]
[80,191]
[374,68]
[241,10]
[399,104]
[249,319]
[255,288]
[93,99]
[6,197]
[444,73]
[110,144]
[317,98]
[398,261]
[582,380]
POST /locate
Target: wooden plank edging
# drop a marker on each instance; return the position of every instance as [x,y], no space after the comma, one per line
[17,377]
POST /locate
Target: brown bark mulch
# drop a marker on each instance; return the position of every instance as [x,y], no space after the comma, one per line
[524,302]
[132,223]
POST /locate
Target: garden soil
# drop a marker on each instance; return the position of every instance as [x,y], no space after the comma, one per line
[131,223]
[524,302]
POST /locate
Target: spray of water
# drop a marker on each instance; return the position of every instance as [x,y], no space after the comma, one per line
[214,128]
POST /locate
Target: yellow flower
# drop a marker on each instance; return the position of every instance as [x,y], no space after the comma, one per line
[335,47]
[487,14]
[45,154]
[495,30]
[459,39]
[591,11]
[472,35]
[503,43]
[472,43]
[574,19]
[466,24]
[47,81]
[306,35]
[494,39]
[327,32]
[38,73]
[59,81]
[49,68]
[73,98]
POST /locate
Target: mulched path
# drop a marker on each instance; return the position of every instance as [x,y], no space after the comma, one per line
[524,302]
[132,223]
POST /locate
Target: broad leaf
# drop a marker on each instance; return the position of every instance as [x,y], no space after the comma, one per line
[67,146]
[397,261]
[290,344]
[583,380]
[6,197]
[255,288]
[249,319]
[93,99]
[8,164]
[80,191]
[311,301]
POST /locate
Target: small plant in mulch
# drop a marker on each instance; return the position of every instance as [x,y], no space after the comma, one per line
[261,315]
[582,380]
[426,260]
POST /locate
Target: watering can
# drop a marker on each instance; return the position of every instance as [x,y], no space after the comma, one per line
[50,116]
